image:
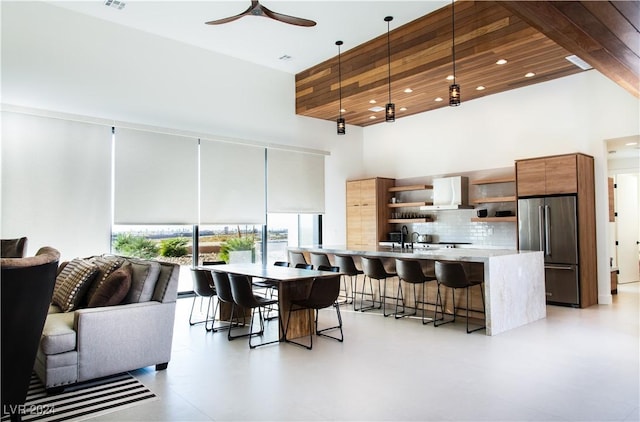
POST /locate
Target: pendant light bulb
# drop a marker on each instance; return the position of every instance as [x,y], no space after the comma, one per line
[390,109]
[454,88]
[341,126]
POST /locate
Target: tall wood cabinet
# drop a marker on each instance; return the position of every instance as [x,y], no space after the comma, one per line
[568,174]
[367,214]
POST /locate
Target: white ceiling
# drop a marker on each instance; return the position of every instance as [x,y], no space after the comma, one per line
[257,39]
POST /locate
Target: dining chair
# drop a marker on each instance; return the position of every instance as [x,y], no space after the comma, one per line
[452,275]
[304,266]
[243,296]
[223,290]
[323,294]
[203,288]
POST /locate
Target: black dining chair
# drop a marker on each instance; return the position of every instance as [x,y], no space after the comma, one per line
[453,276]
[243,297]
[324,294]
[270,289]
[223,290]
[304,266]
[331,268]
[203,288]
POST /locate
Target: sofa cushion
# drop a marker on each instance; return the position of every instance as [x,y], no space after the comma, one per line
[113,289]
[143,280]
[58,335]
[72,283]
[107,265]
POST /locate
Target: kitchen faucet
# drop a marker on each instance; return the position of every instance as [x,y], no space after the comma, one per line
[404,233]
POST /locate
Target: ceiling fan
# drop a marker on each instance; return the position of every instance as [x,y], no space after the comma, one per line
[256,9]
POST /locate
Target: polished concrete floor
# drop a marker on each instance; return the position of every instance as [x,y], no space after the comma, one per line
[575,365]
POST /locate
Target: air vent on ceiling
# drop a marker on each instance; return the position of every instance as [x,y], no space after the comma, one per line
[116,4]
[579,62]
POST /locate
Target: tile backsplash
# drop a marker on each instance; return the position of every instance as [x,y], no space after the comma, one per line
[456,226]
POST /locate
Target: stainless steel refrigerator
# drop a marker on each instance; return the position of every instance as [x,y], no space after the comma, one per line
[549,224]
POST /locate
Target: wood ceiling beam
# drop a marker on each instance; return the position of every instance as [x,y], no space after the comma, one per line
[602,33]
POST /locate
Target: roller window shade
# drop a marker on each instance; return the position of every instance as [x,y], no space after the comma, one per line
[232,183]
[56,186]
[295,182]
[156,178]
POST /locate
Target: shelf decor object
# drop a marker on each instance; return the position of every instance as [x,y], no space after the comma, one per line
[342,129]
[390,109]
[454,88]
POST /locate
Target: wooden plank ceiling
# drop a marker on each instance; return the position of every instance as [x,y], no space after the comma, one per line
[421,60]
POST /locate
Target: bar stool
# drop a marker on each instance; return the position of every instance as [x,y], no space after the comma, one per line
[373,269]
[452,275]
[348,269]
[319,258]
[410,271]
[296,258]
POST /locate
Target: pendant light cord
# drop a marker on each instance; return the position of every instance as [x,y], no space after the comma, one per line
[340,80]
[453,41]
[389,57]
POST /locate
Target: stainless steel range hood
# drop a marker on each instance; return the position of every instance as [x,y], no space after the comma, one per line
[449,193]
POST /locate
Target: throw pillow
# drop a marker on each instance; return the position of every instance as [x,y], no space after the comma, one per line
[143,280]
[113,289]
[107,265]
[72,284]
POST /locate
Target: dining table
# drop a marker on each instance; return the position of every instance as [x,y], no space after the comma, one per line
[293,283]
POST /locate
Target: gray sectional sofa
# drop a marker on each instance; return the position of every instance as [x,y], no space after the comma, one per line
[80,343]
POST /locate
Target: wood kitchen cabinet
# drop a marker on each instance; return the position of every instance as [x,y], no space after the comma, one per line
[548,175]
[367,213]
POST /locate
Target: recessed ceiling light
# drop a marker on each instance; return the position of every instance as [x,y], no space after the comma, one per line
[372,117]
[376,109]
[116,4]
[450,77]
[372,101]
[479,88]
[408,90]
[529,75]
[629,144]
[438,99]
[579,62]
[342,110]
[403,109]
[501,61]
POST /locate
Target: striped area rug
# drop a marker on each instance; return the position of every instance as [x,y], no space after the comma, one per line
[85,400]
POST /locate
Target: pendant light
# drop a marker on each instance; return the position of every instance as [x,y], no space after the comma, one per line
[341,125]
[454,88]
[390,109]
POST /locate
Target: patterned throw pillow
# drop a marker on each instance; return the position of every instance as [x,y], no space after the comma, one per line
[72,283]
[107,265]
[113,289]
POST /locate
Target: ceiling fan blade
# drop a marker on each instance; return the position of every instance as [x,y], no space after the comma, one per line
[286,18]
[233,18]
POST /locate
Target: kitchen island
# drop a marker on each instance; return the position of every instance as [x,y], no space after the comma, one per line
[513,280]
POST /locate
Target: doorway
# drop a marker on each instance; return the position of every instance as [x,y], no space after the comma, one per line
[624,168]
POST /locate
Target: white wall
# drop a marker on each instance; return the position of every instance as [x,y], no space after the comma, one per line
[66,62]
[571,114]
